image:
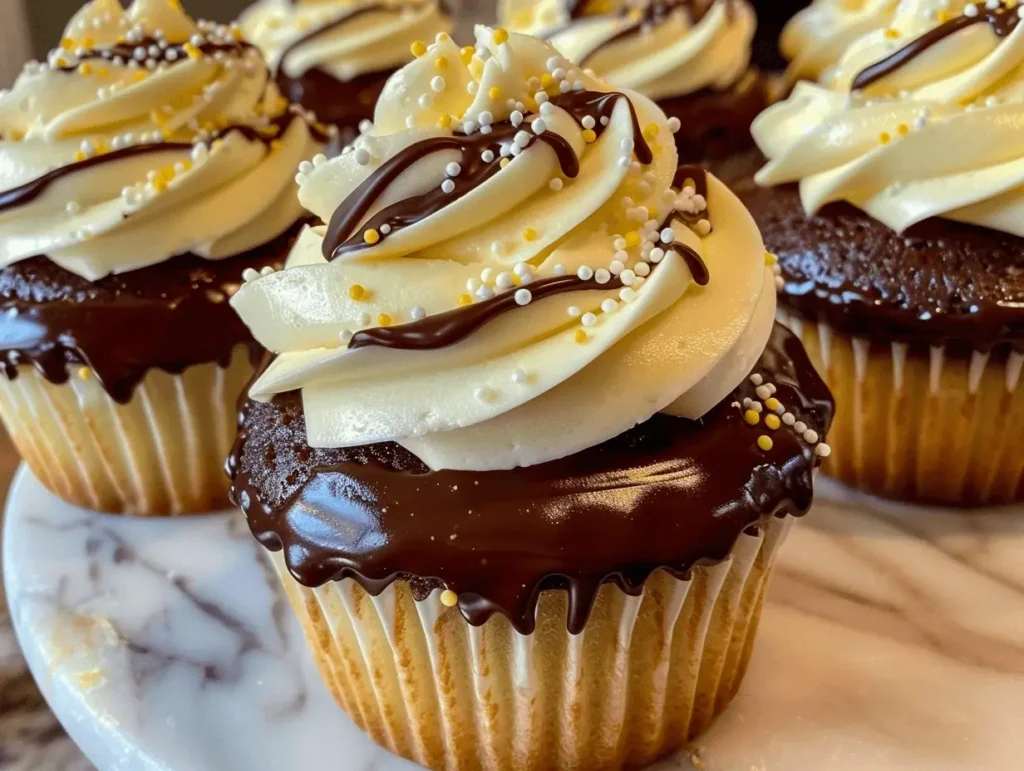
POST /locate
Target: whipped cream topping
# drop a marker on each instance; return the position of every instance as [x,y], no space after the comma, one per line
[145,135]
[662,48]
[344,38]
[511,272]
[924,120]
[817,37]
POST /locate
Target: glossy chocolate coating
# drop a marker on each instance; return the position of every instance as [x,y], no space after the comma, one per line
[670,493]
[336,103]
[940,283]
[168,316]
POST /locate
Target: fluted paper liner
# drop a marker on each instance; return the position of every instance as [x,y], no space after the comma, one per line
[919,423]
[162,453]
[645,675]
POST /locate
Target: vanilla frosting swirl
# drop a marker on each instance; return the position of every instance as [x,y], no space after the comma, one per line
[563,211]
[344,38]
[143,136]
[934,129]
[816,37]
[662,48]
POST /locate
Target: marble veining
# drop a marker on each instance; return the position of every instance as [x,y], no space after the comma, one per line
[893,640]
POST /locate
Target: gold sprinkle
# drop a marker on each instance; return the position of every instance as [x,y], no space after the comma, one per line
[651,132]
[466,54]
[547,80]
[580,336]
[465,299]
[773,422]
[530,234]
[357,292]
[903,129]
[85,373]
[159,185]
[441,63]
[495,92]
[384,320]
[449,598]
[444,121]
[632,239]
[770,259]
[943,16]
[88,42]
[892,34]
[884,138]
[504,162]
[79,156]
[85,68]
[751,417]
[765,442]
[500,36]
[192,51]
[67,44]
[371,236]
[589,135]
[418,48]
[141,75]
[772,403]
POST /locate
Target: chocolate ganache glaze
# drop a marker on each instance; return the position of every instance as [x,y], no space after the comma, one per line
[168,316]
[670,493]
[941,282]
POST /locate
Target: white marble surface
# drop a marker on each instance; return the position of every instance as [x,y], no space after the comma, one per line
[893,641]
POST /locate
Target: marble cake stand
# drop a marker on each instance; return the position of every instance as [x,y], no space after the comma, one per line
[894,640]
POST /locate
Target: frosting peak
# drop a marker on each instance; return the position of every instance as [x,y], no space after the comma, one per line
[514,268]
[922,119]
[145,135]
[662,48]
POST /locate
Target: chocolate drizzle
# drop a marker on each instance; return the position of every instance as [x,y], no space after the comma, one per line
[340,238]
[126,51]
[670,493]
[169,316]
[326,29]
[1002,20]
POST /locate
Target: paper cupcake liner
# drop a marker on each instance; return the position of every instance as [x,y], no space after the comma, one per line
[646,674]
[918,423]
[160,454]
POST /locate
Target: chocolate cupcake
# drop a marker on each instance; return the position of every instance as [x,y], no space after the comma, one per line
[901,251]
[691,56]
[528,417]
[334,56]
[145,167]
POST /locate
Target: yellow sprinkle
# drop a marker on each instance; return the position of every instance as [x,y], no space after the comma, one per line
[547,80]
[371,236]
[651,131]
[495,92]
[444,121]
[159,185]
[357,292]
[88,42]
[62,62]
[943,16]
[85,373]
[770,259]
[589,135]
[580,336]
[903,129]
[751,417]
[465,299]
[653,211]
[765,442]
[530,234]
[892,34]
[441,37]
[418,48]
[192,51]
[140,76]
[466,54]
[504,162]
[79,156]
[67,44]
[884,138]
[166,133]
[632,239]
[167,172]
[449,598]
[500,36]
[772,403]
[773,422]
[384,320]
[186,165]
[102,72]
[441,63]
[85,68]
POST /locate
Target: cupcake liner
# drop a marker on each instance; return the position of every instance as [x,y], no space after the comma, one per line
[646,674]
[921,423]
[162,453]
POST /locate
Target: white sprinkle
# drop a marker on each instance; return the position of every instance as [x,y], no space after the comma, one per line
[305,167]
[346,336]
[588,320]
[519,376]
[556,184]
[484,292]
[504,280]
[521,269]
[657,255]
[385,229]
[523,296]
[447,186]
[588,122]
[425,100]
[364,319]
[756,379]
[72,208]
[668,236]
[497,247]
[487,156]
[642,269]
[757,407]
[522,139]
[538,126]
[674,125]
[410,121]
[250,274]
[362,156]
[319,160]
[553,63]
[627,277]
[810,436]
[516,118]
[266,270]
[418,312]
[486,118]
[300,179]
[602,276]
[971,10]
[609,305]
[763,392]
[799,426]
[605,120]
[559,270]
[627,295]
[437,83]
[574,311]
[616,267]
[487,275]
[483,394]
[453,169]
[620,243]
[822,450]
[585,273]
[788,418]
[472,87]
[558,73]
[366,124]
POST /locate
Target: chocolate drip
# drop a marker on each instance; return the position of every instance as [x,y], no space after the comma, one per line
[127,51]
[669,494]
[340,238]
[1002,20]
[169,316]
[19,196]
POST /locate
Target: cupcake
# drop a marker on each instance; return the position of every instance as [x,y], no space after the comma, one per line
[691,56]
[334,56]
[145,166]
[527,418]
[893,204]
